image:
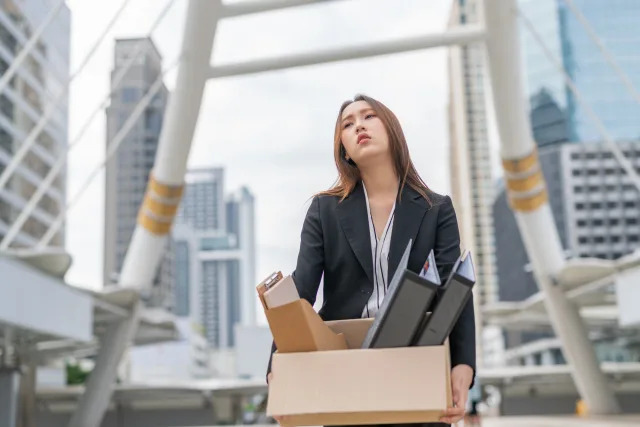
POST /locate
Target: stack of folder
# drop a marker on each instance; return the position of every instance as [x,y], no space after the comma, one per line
[403,320]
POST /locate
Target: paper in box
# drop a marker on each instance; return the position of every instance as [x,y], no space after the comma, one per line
[341,387]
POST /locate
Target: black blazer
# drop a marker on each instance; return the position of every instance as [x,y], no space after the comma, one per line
[335,240]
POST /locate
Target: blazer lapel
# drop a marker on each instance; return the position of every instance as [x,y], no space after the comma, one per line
[406,223]
[352,214]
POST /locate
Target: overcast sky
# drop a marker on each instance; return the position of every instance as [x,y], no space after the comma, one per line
[272,132]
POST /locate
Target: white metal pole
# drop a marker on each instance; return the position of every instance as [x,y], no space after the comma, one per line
[28,47]
[462,35]
[164,190]
[157,212]
[528,198]
[257,6]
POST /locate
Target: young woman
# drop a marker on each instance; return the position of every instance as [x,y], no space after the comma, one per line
[356,231]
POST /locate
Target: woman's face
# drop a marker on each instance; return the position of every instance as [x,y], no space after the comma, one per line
[363,134]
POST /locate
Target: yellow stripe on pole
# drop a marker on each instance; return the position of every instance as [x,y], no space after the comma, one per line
[159,207]
[164,190]
[153,225]
[529,203]
[522,164]
[526,183]
[162,208]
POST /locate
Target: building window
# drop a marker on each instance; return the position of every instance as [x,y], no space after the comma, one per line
[130,95]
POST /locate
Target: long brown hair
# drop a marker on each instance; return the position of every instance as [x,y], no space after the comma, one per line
[349,174]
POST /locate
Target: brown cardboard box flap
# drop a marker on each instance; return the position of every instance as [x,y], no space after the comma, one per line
[360,386]
[354,330]
[296,327]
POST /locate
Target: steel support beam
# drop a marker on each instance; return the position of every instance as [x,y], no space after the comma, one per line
[463,35]
[529,200]
[257,6]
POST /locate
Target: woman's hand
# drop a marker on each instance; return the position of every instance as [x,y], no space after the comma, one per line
[461,377]
[279,419]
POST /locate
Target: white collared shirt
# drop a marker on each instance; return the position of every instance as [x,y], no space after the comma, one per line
[380,256]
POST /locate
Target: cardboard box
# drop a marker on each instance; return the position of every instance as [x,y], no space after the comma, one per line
[296,327]
[360,386]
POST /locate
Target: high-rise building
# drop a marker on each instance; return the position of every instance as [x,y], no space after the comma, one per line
[127,173]
[470,165]
[215,258]
[23,102]
[555,114]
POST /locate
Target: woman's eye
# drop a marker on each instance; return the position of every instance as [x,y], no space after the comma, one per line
[346,125]
[369,115]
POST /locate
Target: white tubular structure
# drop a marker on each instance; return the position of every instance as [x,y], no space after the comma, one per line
[462,35]
[28,47]
[160,203]
[528,198]
[165,187]
[257,6]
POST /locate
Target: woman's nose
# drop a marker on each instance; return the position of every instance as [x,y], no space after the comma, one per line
[359,128]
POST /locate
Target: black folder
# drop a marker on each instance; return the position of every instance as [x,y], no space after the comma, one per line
[454,296]
[402,310]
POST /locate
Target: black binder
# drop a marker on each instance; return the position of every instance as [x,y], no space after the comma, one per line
[454,296]
[402,310]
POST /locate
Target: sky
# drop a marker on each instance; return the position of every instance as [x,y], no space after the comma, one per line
[272,132]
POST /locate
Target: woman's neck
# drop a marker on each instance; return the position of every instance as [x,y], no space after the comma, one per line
[381,181]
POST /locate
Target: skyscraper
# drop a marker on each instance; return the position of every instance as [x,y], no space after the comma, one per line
[37,83]
[470,163]
[215,259]
[127,172]
[555,114]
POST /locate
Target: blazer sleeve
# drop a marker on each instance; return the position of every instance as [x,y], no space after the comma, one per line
[462,340]
[310,263]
